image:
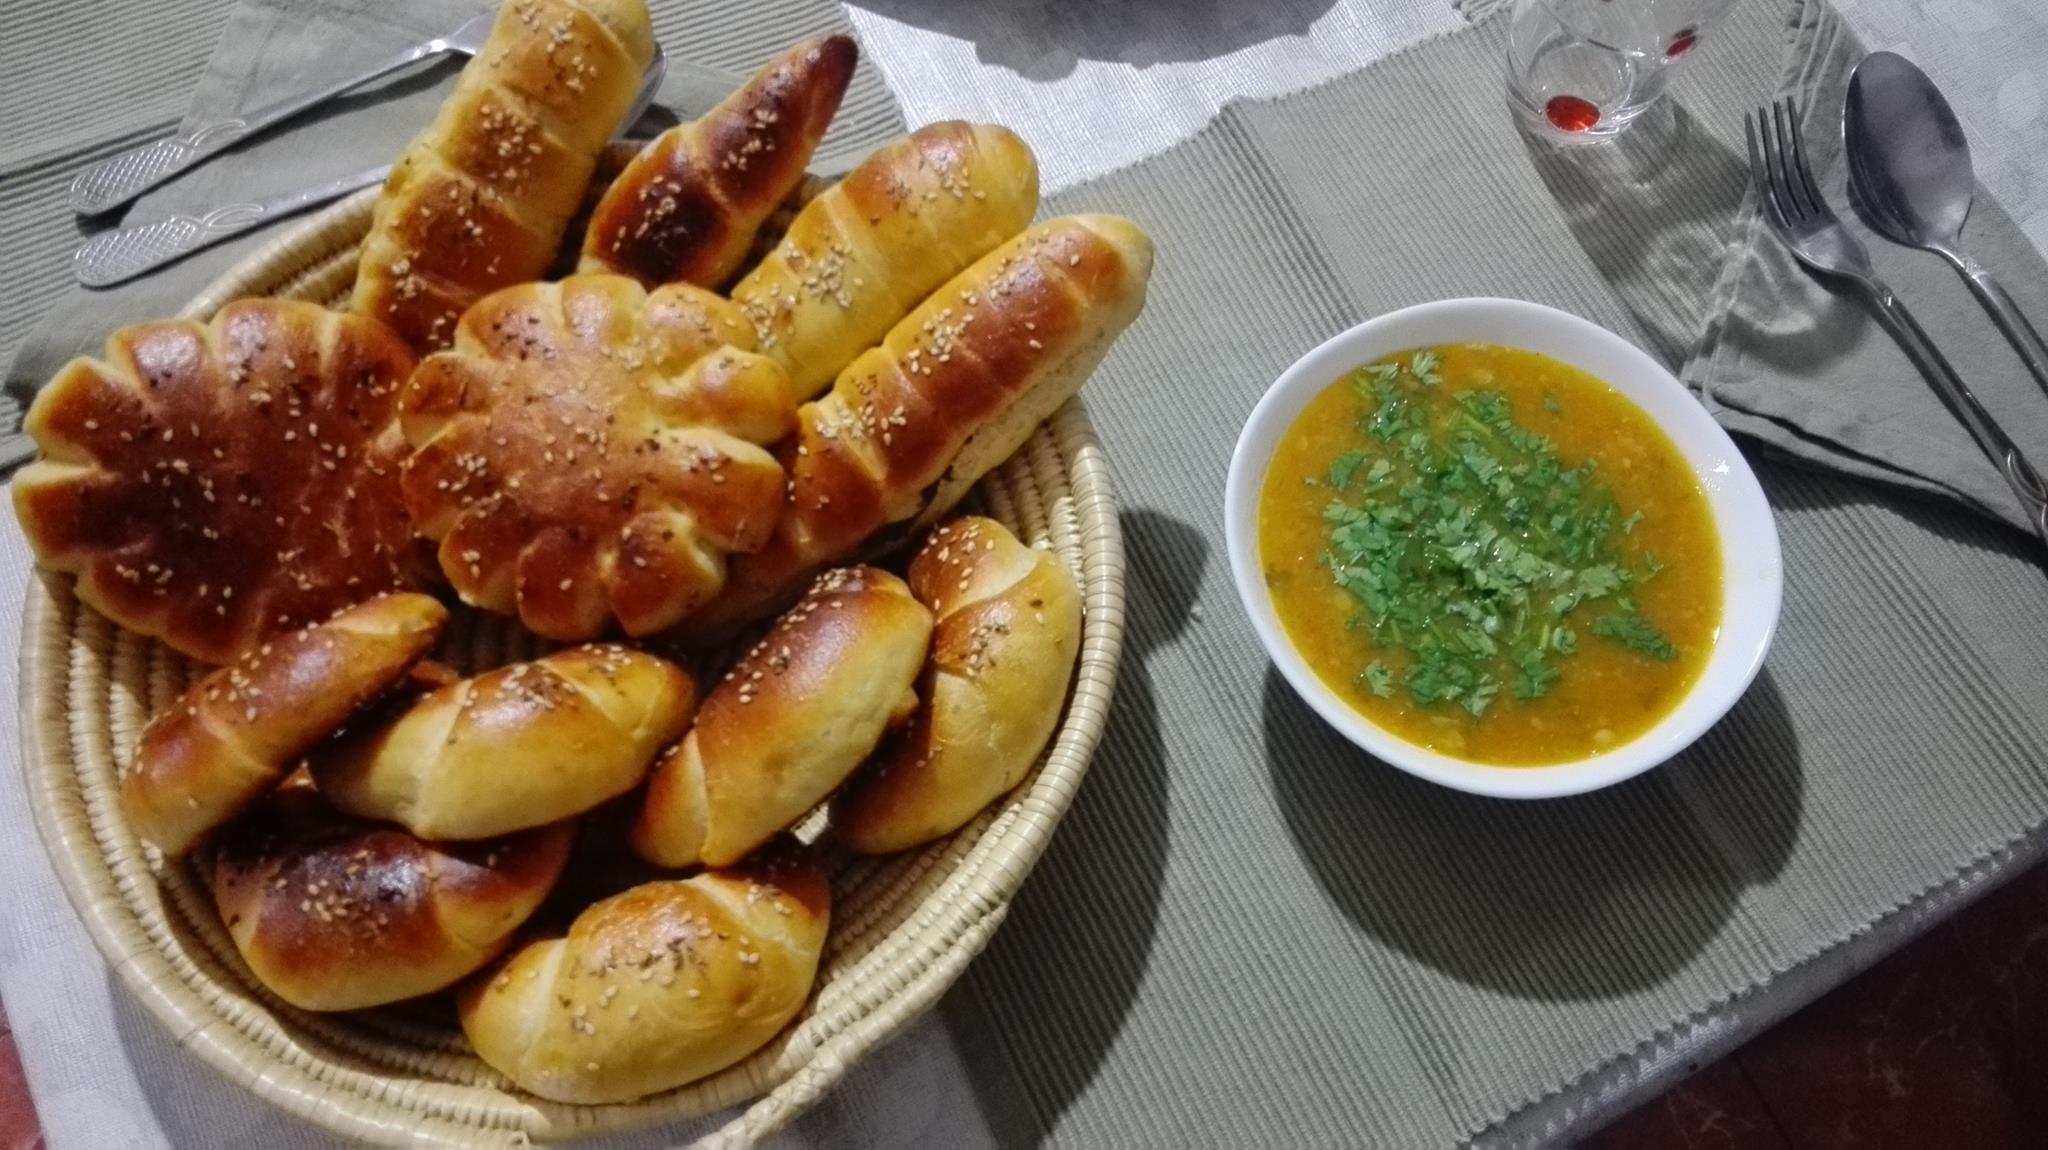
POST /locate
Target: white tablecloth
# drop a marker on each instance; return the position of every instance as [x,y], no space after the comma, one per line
[1092,86]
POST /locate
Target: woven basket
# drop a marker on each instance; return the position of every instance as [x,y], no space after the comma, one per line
[903,928]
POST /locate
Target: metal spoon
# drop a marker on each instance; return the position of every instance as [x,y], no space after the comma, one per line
[1910,179]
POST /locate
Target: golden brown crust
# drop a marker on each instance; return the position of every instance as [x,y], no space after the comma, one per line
[789,722]
[654,988]
[214,484]
[911,425]
[1003,649]
[862,254]
[479,200]
[518,747]
[588,453]
[687,207]
[333,913]
[237,732]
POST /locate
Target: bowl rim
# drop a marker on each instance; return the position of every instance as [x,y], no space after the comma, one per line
[1742,518]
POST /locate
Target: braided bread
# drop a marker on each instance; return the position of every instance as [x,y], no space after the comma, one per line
[214,484]
[517,747]
[658,986]
[588,454]
[333,913]
[789,722]
[1008,628]
[241,729]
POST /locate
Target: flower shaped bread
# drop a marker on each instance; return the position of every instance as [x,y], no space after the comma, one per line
[215,484]
[589,453]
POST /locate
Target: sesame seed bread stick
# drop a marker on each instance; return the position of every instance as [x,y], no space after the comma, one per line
[480,199]
[866,250]
[954,390]
[686,208]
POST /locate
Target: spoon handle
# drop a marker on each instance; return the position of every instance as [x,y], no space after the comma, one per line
[2012,463]
[2006,314]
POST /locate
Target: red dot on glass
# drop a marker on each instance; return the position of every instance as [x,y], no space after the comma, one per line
[1681,43]
[1571,114]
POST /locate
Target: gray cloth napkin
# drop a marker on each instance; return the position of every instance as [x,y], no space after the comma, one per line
[1794,363]
[1783,358]
[272,48]
[1249,933]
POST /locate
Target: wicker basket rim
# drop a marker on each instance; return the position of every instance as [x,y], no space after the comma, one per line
[1061,476]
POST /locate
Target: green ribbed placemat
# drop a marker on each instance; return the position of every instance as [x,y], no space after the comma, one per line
[85,86]
[1249,933]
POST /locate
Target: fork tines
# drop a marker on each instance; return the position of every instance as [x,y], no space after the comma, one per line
[1789,197]
[1786,178]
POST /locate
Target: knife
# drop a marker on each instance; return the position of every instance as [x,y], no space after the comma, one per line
[123,253]
[120,178]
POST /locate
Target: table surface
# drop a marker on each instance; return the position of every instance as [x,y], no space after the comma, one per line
[1944,1043]
[1092,87]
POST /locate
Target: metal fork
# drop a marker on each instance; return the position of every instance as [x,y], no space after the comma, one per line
[1789,199]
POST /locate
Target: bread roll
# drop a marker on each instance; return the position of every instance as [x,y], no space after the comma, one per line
[214,484]
[1008,628]
[687,207]
[957,387]
[521,746]
[239,730]
[866,251]
[656,987]
[334,913]
[790,721]
[479,200]
[588,453]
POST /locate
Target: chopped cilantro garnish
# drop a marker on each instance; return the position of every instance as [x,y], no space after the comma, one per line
[1537,675]
[1344,467]
[1469,545]
[1379,679]
[1637,634]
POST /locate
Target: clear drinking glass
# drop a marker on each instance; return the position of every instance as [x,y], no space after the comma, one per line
[1582,70]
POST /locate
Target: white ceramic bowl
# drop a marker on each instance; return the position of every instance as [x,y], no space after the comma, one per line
[1751,584]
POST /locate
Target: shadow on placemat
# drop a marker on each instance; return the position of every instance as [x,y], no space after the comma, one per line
[1046,40]
[1080,932]
[1540,899]
[192,1103]
[1817,488]
[1654,211]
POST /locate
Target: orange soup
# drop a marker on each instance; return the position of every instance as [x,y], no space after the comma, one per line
[1491,554]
